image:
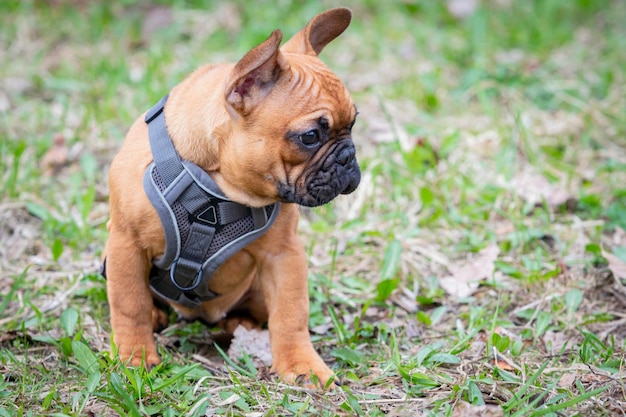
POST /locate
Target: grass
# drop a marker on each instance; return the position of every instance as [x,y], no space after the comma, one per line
[502,130]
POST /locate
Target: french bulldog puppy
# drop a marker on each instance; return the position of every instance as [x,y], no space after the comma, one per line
[274,127]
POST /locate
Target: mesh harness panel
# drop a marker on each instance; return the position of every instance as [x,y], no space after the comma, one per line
[202,227]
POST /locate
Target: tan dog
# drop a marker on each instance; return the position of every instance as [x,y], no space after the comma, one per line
[274,127]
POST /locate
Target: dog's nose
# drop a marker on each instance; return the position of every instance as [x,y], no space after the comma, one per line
[355,180]
[351,187]
[346,155]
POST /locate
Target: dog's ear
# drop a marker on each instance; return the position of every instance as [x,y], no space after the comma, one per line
[254,75]
[319,32]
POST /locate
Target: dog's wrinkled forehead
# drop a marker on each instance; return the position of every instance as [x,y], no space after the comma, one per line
[316,86]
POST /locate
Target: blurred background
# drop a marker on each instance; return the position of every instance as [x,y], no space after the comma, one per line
[491,135]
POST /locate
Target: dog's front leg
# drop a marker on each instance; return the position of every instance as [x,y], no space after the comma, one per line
[285,291]
[130,300]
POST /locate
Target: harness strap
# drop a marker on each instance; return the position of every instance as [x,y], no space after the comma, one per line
[189,203]
[192,256]
[165,156]
[185,272]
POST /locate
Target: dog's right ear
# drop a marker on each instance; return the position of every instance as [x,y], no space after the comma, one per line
[254,75]
[319,32]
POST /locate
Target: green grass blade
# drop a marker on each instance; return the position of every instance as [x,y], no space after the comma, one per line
[85,357]
[519,394]
[569,403]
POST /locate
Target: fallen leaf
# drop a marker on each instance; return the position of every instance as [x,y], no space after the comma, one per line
[616,265]
[56,157]
[464,409]
[466,278]
[554,341]
[228,401]
[590,378]
[254,342]
[322,328]
[413,329]
[567,380]
[13,335]
[505,366]
[405,300]
[535,188]
[504,228]
[374,314]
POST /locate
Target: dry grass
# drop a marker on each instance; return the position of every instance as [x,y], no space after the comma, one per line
[470,137]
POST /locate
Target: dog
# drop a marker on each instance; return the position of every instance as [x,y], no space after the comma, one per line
[249,142]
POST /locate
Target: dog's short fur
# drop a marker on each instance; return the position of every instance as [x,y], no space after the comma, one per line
[274,127]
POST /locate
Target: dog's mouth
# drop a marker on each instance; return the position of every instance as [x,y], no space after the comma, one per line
[338,173]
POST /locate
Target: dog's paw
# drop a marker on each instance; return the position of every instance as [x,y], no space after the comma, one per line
[148,358]
[312,380]
[136,352]
[311,373]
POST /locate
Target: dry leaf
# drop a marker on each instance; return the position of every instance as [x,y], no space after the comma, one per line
[255,343]
[592,379]
[504,228]
[228,401]
[554,341]
[322,328]
[535,188]
[616,265]
[405,300]
[505,366]
[468,410]
[567,380]
[466,278]
[56,157]
[413,329]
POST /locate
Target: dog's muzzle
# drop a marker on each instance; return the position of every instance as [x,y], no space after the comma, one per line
[337,173]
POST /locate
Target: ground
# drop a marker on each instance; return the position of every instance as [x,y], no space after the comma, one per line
[477,271]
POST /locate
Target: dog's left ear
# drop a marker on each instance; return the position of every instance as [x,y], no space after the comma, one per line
[254,75]
[319,32]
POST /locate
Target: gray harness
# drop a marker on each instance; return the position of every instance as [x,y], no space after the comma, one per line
[203,228]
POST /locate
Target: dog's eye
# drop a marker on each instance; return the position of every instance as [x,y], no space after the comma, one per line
[312,137]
